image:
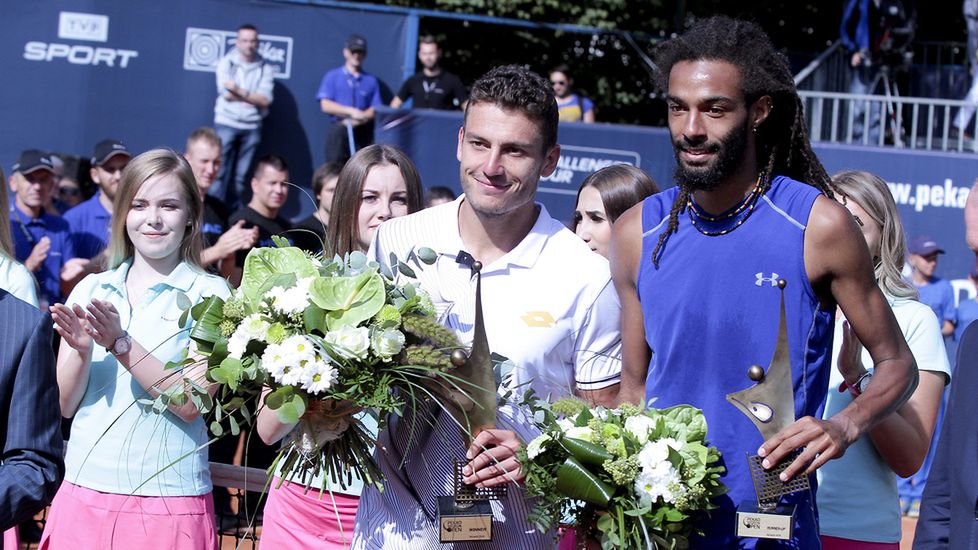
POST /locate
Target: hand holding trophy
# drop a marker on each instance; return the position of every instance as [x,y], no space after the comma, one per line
[770,405]
[466,515]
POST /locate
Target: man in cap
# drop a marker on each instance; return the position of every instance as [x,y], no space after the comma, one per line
[939,295]
[934,291]
[348,95]
[41,238]
[91,220]
[244,92]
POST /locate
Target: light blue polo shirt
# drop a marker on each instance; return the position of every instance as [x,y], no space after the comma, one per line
[116,446]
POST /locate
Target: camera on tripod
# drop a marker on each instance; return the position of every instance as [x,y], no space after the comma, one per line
[897,25]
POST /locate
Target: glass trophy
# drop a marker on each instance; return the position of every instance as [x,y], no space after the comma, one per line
[466,515]
[770,405]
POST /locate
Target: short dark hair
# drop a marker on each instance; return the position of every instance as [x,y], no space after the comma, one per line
[272,161]
[247,27]
[438,192]
[517,88]
[205,134]
[428,39]
[562,69]
[323,173]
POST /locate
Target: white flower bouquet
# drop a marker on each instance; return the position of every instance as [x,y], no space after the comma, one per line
[324,340]
[632,478]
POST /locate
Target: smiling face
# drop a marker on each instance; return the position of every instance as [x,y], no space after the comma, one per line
[383,196]
[501,159]
[270,189]
[591,221]
[158,219]
[710,122]
[205,160]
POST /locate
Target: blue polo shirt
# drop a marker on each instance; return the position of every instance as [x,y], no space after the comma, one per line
[90,223]
[27,232]
[360,92]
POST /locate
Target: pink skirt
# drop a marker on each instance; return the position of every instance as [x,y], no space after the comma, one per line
[296,519]
[82,519]
[835,543]
[11,539]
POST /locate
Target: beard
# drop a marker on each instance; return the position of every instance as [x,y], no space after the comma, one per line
[730,152]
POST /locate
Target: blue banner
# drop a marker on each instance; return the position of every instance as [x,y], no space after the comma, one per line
[930,188]
[81,71]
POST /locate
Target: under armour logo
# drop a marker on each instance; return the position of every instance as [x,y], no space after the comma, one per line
[761,279]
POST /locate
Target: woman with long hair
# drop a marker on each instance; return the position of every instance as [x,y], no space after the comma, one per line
[136,478]
[603,196]
[862,480]
[14,277]
[380,182]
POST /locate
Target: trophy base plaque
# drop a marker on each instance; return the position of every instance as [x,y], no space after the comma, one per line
[467,515]
[766,524]
[471,521]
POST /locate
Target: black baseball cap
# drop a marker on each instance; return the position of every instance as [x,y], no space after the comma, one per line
[356,43]
[33,160]
[108,148]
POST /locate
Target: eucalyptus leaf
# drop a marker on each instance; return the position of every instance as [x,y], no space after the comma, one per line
[406,270]
[235,429]
[427,255]
[217,429]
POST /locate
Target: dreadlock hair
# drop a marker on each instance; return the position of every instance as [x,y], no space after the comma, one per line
[782,143]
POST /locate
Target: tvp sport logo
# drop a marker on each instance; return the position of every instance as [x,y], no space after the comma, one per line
[88,27]
[203,48]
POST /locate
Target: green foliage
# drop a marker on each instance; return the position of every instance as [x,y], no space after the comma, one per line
[348,301]
[263,264]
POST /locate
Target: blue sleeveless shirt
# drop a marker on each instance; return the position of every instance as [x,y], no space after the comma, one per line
[711,311]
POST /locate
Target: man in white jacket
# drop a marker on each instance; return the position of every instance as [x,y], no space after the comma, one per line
[244,92]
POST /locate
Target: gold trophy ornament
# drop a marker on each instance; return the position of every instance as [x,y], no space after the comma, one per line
[466,515]
[770,405]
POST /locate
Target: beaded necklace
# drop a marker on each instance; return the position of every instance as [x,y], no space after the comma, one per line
[729,220]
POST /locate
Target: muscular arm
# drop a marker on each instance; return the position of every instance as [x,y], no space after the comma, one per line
[32,466]
[626,252]
[840,270]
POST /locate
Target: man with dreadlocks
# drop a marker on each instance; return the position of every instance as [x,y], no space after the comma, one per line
[697,268]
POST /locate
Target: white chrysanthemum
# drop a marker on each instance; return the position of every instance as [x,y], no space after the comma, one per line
[657,482]
[273,360]
[537,446]
[580,432]
[299,346]
[350,342]
[293,300]
[639,426]
[252,327]
[565,424]
[318,377]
